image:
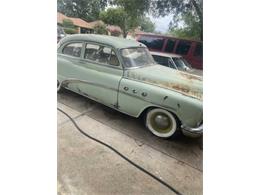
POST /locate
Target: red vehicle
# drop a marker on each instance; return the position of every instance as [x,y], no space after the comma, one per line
[191,50]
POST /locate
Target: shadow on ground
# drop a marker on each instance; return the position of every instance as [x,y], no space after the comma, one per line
[186,150]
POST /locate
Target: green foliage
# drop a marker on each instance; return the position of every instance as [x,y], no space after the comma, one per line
[147,25]
[116,16]
[189,12]
[191,28]
[133,7]
[85,9]
[70,30]
[100,29]
[67,23]
[131,11]
[68,26]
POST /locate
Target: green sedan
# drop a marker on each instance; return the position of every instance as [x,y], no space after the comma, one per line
[122,74]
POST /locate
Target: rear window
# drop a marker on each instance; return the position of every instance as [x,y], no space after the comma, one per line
[183,47]
[72,49]
[152,42]
[198,50]
[170,45]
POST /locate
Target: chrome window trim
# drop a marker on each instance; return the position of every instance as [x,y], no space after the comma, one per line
[135,67]
[61,48]
[120,67]
[101,64]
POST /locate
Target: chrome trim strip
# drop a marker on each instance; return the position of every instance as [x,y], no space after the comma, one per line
[193,132]
[65,83]
[136,67]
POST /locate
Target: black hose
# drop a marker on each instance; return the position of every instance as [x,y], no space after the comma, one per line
[124,157]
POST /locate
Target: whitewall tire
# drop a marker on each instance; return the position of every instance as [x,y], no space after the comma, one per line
[161,122]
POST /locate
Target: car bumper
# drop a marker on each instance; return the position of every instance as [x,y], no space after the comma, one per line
[192,132]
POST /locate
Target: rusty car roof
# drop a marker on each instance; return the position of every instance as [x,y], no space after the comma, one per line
[115,42]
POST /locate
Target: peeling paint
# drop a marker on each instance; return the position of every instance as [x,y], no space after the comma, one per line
[178,86]
[190,76]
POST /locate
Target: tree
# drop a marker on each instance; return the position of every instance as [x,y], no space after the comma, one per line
[100,29]
[68,26]
[133,7]
[147,25]
[118,17]
[180,10]
[134,11]
[85,9]
[191,28]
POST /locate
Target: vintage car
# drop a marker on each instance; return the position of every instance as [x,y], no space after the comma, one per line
[175,61]
[122,74]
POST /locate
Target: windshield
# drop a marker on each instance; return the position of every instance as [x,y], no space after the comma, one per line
[136,57]
[181,64]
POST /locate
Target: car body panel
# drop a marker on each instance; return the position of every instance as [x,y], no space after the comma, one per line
[164,77]
[131,90]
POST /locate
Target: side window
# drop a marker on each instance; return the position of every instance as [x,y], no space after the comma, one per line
[198,50]
[183,47]
[161,60]
[72,49]
[170,45]
[152,42]
[113,59]
[91,52]
[101,54]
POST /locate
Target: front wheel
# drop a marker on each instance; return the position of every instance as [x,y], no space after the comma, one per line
[59,87]
[161,122]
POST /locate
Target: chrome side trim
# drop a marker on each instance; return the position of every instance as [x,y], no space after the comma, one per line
[65,83]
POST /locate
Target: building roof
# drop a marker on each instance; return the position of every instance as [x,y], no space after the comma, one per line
[97,22]
[61,17]
[115,42]
[76,21]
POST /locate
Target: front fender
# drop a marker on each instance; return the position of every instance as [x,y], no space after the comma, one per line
[134,97]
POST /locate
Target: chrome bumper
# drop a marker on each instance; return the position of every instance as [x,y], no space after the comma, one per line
[192,132]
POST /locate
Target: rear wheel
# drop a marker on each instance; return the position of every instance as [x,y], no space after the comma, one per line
[161,122]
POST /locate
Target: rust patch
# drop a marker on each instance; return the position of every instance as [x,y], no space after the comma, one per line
[190,76]
[183,89]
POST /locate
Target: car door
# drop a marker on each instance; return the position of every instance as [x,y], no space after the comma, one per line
[68,63]
[100,74]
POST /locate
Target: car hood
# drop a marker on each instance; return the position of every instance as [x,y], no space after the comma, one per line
[195,71]
[184,83]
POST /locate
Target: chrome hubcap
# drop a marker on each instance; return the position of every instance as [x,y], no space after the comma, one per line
[162,121]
